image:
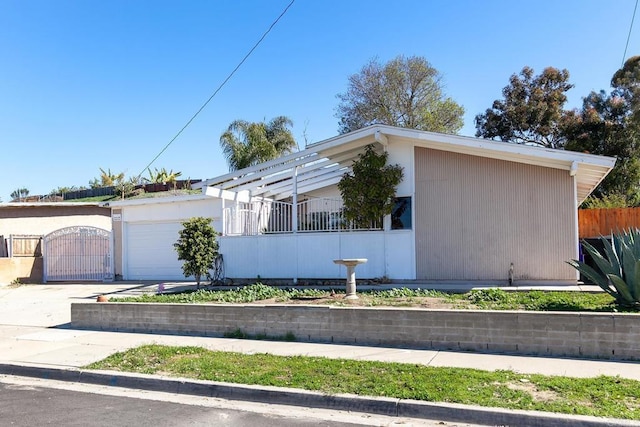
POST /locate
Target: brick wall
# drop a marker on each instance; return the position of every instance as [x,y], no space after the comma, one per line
[602,335]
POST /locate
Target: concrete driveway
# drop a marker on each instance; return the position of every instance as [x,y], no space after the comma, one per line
[46,305]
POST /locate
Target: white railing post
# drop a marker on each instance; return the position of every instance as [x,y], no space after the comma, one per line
[294,201]
[223,231]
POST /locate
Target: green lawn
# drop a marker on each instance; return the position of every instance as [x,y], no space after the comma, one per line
[601,396]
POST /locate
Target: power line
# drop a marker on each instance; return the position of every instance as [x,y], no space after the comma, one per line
[629,35]
[273,24]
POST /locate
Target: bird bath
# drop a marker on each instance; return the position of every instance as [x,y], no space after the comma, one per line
[351,264]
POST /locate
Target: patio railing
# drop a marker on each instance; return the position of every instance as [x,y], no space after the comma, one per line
[270,217]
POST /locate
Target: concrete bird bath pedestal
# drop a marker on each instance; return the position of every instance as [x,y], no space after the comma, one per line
[351,264]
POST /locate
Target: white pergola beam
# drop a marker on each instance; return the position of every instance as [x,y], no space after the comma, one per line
[309,188]
[327,145]
[307,183]
[228,195]
[308,170]
[303,179]
[280,169]
[285,176]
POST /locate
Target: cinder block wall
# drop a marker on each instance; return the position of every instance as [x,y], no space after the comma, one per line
[601,335]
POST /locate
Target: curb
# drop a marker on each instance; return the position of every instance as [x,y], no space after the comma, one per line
[295,397]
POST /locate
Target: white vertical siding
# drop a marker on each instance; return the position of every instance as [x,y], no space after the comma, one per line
[475,216]
[311,255]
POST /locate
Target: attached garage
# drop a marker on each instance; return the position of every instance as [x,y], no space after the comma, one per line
[146,229]
[149,251]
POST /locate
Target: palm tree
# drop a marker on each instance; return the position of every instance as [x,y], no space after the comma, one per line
[107,179]
[163,176]
[246,144]
[19,194]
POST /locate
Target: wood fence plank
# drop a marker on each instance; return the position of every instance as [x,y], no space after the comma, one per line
[603,222]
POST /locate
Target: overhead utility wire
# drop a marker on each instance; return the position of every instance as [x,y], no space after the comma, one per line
[218,89]
[629,35]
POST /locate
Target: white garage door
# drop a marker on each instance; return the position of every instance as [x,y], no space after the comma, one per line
[149,252]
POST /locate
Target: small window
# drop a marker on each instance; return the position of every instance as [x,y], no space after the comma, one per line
[401,214]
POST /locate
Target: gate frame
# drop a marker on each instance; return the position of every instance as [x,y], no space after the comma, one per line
[45,257]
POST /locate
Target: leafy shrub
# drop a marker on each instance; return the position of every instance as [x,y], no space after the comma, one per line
[617,270]
[478,296]
[404,293]
[197,247]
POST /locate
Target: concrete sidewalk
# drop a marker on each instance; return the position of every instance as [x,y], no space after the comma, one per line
[34,333]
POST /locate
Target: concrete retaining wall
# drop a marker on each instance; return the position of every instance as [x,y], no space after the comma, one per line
[601,335]
[24,269]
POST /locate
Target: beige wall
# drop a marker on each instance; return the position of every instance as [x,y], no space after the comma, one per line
[25,269]
[41,220]
[475,216]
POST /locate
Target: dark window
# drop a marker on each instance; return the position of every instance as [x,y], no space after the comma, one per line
[401,214]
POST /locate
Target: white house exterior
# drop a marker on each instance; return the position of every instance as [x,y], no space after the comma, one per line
[145,230]
[474,210]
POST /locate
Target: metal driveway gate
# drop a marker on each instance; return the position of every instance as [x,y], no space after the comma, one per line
[78,253]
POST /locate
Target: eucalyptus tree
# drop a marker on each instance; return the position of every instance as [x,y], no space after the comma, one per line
[609,124]
[531,111]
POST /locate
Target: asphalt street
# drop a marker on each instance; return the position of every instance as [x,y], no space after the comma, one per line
[31,402]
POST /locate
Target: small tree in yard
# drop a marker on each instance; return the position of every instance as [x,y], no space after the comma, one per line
[368,193]
[197,246]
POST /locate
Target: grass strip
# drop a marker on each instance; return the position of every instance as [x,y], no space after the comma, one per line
[484,299]
[602,396]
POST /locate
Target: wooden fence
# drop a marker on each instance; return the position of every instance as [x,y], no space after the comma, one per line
[603,222]
[3,248]
[110,191]
[24,245]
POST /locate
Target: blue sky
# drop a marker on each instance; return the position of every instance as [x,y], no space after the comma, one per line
[86,84]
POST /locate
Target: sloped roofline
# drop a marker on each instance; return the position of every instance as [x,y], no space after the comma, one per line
[317,158]
[154,200]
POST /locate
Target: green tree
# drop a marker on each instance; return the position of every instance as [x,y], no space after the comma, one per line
[368,192]
[107,179]
[405,92]
[19,194]
[197,246]
[626,84]
[127,188]
[163,176]
[603,126]
[247,144]
[531,111]
[609,124]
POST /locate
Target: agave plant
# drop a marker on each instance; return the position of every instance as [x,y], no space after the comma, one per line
[617,270]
